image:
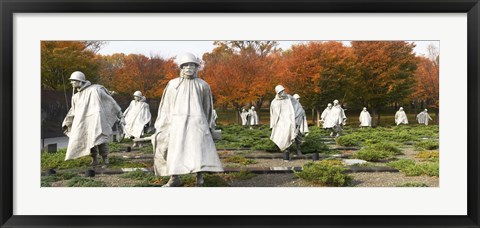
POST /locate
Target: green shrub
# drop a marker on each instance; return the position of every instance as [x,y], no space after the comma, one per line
[265,144]
[311,145]
[326,172]
[212,180]
[410,168]
[426,145]
[349,140]
[243,175]
[369,154]
[384,146]
[431,169]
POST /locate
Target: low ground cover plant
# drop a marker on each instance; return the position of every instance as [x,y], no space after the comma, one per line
[378,151]
[411,168]
[426,145]
[57,161]
[325,172]
[428,155]
[85,182]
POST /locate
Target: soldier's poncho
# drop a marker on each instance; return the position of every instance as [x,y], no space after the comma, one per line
[282,121]
[183,142]
[365,119]
[253,117]
[244,118]
[336,116]
[300,118]
[327,121]
[90,119]
[401,117]
[423,117]
[214,119]
[137,115]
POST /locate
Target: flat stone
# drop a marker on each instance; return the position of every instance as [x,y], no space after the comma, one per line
[353,161]
[134,169]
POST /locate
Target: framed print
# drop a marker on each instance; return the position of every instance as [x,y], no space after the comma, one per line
[443,193]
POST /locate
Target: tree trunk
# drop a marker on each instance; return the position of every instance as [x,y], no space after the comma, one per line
[374,114]
[378,117]
[318,118]
[313,115]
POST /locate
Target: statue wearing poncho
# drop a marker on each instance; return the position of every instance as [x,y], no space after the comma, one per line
[365,118]
[401,117]
[89,121]
[137,115]
[183,141]
[423,117]
[282,119]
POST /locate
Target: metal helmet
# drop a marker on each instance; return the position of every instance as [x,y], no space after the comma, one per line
[296,96]
[279,88]
[187,58]
[78,76]
[137,93]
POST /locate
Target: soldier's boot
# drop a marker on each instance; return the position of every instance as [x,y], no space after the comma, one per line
[200,181]
[174,181]
[103,149]
[93,153]
[94,160]
[299,153]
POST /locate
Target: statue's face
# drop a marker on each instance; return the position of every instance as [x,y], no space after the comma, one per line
[329,106]
[137,98]
[364,109]
[189,69]
[282,94]
[76,84]
[253,108]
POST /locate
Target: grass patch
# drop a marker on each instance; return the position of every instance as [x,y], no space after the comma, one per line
[372,155]
[326,172]
[46,181]
[378,151]
[428,155]
[243,175]
[426,145]
[85,182]
[57,161]
[239,160]
[410,168]
[413,184]
[398,134]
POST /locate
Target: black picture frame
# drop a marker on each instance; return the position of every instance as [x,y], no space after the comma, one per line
[10,7]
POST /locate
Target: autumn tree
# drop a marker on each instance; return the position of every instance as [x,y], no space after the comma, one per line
[426,89]
[386,73]
[318,72]
[109,65]
[60,58]
[138,72]
[239,72]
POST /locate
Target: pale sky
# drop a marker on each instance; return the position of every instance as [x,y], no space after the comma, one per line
[167,49]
